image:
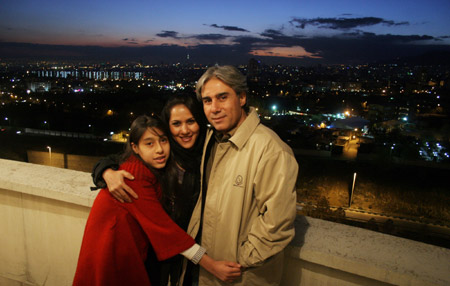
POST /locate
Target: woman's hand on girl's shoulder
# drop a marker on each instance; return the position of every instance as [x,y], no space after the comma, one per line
[115,181]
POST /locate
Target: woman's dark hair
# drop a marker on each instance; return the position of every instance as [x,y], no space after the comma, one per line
[137,129]
[180,195]
[184,156]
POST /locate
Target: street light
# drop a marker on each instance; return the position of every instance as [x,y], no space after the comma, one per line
[50,153]
[352,190]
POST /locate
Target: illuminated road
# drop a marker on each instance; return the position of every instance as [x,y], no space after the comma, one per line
[351,149]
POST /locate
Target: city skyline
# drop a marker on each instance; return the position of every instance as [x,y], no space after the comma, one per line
[232,32]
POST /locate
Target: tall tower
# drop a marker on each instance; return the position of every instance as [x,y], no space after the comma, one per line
[253,70]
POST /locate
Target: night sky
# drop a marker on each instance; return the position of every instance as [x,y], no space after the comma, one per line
[323,31]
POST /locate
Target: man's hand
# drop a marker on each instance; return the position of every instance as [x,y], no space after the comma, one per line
[226,271]
[116,185]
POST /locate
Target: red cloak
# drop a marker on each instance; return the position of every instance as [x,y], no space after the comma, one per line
[117,235]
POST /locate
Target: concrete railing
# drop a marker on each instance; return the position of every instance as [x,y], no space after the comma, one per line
[43,211]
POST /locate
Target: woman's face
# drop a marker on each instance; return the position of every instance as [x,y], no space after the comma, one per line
[183,126]
[153,147]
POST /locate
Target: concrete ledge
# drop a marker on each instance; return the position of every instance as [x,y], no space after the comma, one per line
[47,182]
[367,255]
[43,211]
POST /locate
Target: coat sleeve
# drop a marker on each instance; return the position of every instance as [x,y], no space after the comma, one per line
[111,161]
[166,237]
[275,195]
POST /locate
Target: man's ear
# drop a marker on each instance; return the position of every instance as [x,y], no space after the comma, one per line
[242,98]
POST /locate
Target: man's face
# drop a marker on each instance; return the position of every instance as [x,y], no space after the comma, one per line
[222,106]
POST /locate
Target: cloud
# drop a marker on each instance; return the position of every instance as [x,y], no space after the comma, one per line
[278,38]
[200,37]
[351,47]
[272,33]
[389,38]
[229,28]
[210,37]
[168,34]
[131,41]
[343,23]
[278,35]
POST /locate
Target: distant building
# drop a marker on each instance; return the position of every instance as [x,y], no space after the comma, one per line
[353,86]
[253,70]
[39,86]
[380,112]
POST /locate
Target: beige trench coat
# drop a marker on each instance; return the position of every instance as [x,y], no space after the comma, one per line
[250,204]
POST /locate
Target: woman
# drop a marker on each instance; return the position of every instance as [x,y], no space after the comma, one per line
[118,236]
[185,118]
[187,124]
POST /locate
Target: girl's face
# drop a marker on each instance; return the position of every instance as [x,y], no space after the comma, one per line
[183,126]
[153,148]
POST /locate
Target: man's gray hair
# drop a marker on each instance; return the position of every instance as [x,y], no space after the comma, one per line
[230,75]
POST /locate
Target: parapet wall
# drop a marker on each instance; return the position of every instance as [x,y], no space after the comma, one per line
[61,160]
[43,211]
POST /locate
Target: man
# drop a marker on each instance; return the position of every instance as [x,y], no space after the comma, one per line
[247,207]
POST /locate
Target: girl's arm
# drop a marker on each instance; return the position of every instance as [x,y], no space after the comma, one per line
[224,270]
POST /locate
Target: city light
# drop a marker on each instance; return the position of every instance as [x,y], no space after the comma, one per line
[315,112]
[50,153]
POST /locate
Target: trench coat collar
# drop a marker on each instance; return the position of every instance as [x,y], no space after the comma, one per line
[246,129]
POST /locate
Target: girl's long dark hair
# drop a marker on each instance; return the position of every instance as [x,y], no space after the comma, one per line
[180,196]
[137,129]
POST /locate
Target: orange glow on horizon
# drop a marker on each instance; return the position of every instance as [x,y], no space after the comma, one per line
[286,52]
